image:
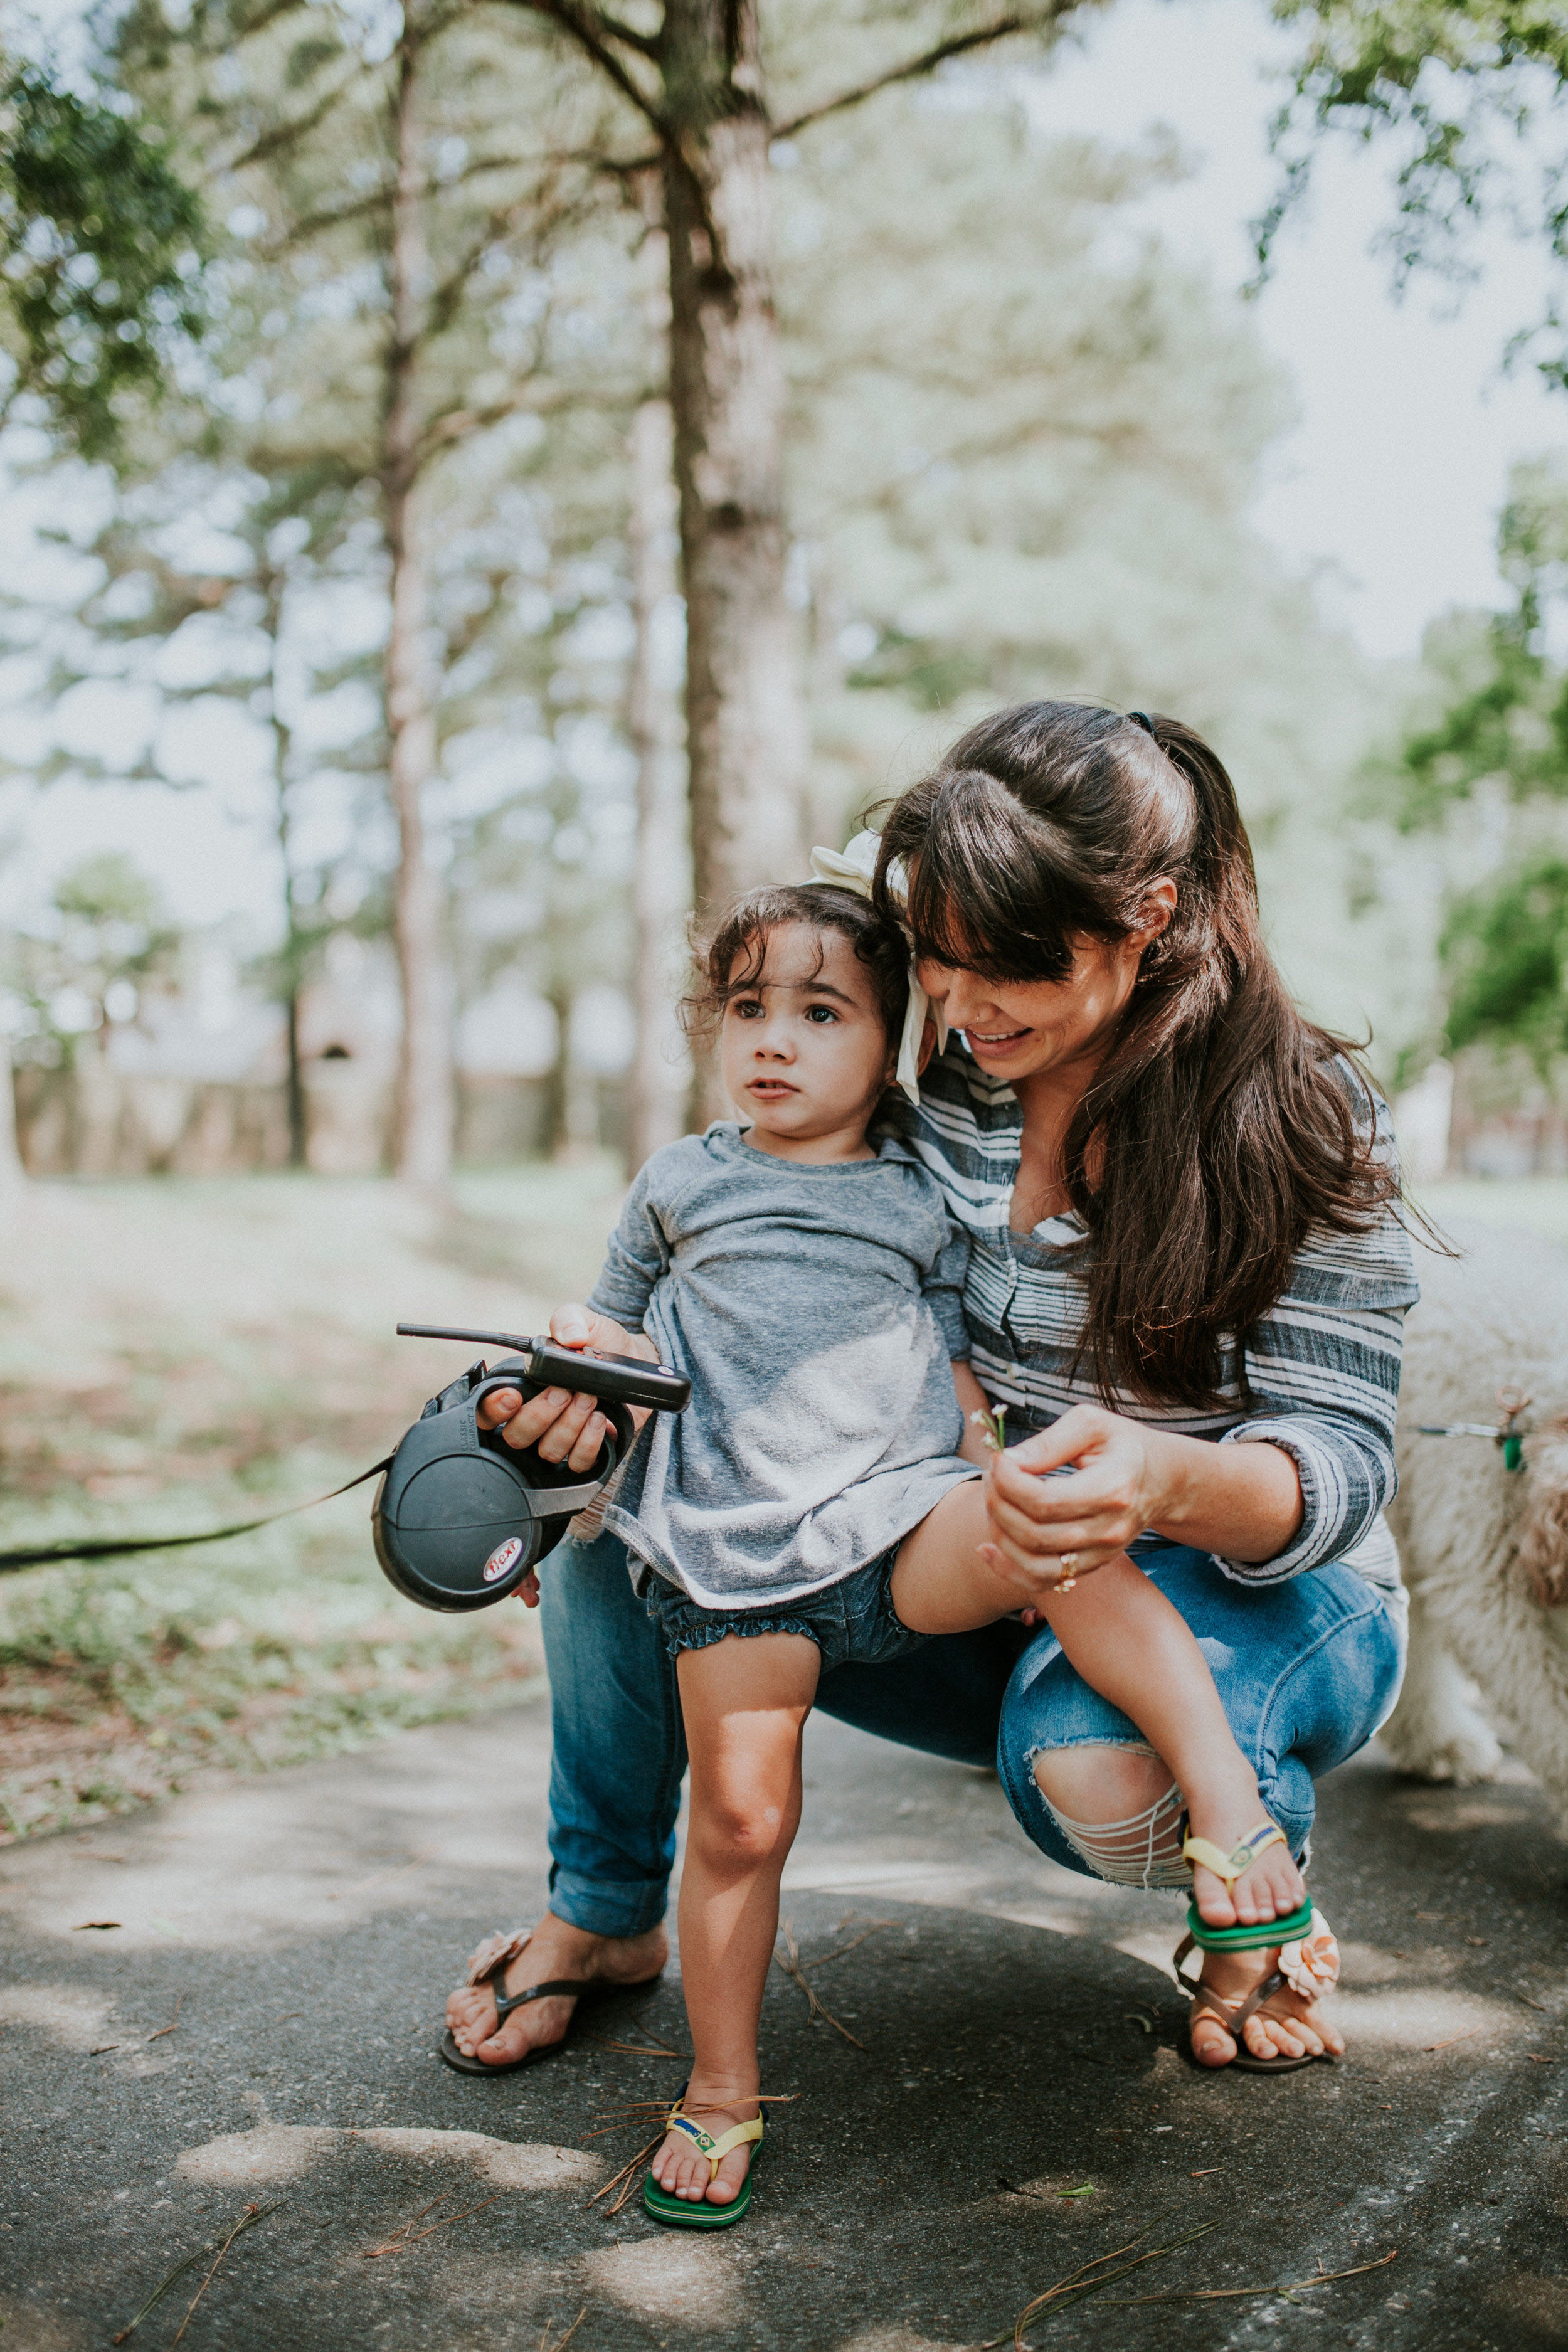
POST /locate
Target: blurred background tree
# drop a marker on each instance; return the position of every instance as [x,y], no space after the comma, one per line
[99,258]
[938,433]
[1481,776]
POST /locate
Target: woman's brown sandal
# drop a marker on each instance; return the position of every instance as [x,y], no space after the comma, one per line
[1308,1964]
[488,1965]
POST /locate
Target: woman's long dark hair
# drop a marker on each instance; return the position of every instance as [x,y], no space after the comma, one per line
[1217,1131]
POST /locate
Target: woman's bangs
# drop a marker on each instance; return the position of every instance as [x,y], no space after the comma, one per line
[960,907]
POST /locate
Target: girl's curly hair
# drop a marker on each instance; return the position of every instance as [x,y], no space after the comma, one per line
[731,956]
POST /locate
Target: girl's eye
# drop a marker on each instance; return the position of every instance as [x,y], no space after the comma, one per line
[746,1008]
[820,1012]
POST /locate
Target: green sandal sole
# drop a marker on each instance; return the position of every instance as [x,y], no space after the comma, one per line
[678,2213]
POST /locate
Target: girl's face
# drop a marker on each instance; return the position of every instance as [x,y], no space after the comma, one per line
[1018,1029]
[803,1050]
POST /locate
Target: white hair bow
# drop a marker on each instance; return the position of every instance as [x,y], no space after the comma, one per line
[853,868]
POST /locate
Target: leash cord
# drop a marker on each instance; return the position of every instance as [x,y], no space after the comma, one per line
[112,1547]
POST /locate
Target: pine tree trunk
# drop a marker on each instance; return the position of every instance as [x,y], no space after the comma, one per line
[746,730]
[423,1148]
[661,884]
[274,586]
[13,1175]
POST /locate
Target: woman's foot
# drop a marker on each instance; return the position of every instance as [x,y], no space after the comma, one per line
[1284,2026]
[681,2169]
[1268,1888]
[554,1949]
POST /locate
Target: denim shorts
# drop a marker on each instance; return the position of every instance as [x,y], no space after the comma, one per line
[852,1623]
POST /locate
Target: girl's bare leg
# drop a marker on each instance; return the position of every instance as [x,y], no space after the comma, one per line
[1131,1646]
[745,1701]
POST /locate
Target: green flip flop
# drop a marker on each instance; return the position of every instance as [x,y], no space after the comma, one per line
[679,2212]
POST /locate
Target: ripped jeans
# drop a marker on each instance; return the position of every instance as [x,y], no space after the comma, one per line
[1306,1672]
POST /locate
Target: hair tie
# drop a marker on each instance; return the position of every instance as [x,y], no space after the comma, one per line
[1141,719]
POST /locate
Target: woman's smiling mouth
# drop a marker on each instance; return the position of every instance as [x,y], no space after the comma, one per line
[1000,1041]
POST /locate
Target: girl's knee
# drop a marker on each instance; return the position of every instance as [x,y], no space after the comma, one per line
[732,1834]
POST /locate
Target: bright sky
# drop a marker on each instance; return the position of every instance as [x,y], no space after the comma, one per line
[1388,489]
[1395,473]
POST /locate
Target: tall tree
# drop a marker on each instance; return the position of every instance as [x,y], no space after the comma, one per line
[695,74]
[100,257]
[409,203]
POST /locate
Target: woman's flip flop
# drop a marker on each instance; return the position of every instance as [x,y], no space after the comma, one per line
[1308,1964]
[679,2212]
[488,1965]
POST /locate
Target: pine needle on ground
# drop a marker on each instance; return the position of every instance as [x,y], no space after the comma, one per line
[792,1967]
[1076,2284]
[247,2220]
[406,2235]
[1222,2293]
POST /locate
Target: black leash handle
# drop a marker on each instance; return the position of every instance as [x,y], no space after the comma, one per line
[112,1547]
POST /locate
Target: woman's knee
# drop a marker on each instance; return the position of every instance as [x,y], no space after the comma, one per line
[1089,1782]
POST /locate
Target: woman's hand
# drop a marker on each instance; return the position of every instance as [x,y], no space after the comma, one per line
[1047,1529]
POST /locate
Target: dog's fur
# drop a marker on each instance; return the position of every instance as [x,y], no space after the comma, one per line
[1484,1550]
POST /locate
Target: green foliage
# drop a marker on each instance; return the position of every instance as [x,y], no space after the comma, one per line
[1504,951]
[1483,774]
[98,256]
[1468,94]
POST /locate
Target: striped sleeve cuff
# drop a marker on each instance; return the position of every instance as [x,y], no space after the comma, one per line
[1343,1491]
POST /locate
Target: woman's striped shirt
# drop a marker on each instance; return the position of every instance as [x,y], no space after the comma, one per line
[1321,1369]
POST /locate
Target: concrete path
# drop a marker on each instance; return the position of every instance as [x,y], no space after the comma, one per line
[1014,2101]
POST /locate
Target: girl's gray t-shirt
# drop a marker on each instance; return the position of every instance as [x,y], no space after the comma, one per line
[815,1311]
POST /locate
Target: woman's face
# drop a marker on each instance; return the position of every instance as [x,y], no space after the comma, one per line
[1018,1029]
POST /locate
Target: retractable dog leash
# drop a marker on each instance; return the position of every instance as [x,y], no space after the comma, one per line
[1505,1435]
[460,1517]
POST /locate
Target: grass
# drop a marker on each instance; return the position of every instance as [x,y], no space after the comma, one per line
[176,1353]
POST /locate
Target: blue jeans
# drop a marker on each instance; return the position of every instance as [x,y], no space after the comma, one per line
[1306,1672]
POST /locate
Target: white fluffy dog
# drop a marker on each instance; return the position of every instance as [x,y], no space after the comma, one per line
[1484,1550]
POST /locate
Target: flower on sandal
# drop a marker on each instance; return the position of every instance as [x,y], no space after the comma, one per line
[496,1951]
[1310,1965]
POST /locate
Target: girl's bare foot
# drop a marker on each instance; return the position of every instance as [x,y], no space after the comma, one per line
[554,1950]
[1271,1887]
[1284,2026]
[681,2168]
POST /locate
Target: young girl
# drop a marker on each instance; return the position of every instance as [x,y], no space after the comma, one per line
[821,1501]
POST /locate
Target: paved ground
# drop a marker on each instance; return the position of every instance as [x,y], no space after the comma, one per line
[1019,2104]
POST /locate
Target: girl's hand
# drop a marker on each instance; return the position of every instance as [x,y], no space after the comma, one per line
[1118,1487]
[565,1426]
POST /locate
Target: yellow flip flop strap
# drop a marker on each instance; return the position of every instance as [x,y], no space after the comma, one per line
[1229,1866]
[715,2150]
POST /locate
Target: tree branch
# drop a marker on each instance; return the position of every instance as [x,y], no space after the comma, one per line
[589,30]
[959,45]
[645,43]
[283,135]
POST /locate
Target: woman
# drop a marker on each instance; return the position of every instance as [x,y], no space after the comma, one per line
[1187,1281]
